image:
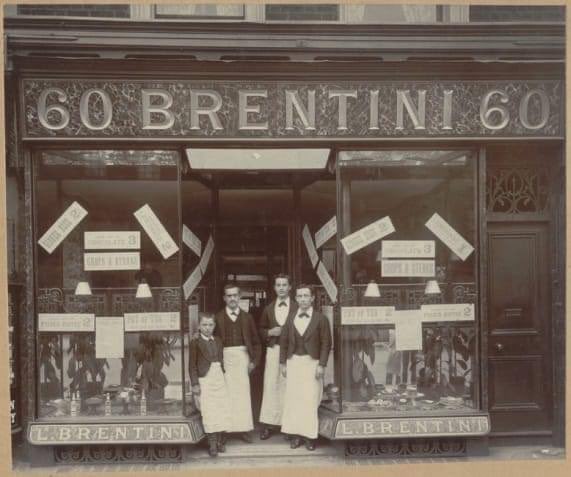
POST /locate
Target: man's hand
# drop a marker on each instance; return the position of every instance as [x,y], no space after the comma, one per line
[196,389]
[319,372]
[283,369]
[251,367]
[275,331]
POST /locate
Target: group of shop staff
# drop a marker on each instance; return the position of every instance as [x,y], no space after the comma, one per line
[228,348]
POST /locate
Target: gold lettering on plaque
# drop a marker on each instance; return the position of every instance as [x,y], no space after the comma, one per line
[244,109]
[417,114]
[342,105]
[306,115]
[162,109]
[196,110]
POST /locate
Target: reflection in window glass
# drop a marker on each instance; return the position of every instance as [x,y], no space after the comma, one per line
[411,267]
[200,10]
[147,378]
[382,14]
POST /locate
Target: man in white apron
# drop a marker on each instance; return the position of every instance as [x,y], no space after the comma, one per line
[242,353]
[272,321]
[305,343]
[208,383]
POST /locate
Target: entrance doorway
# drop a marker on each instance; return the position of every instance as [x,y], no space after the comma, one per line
[255,212]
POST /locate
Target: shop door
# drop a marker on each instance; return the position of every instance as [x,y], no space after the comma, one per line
[519,314]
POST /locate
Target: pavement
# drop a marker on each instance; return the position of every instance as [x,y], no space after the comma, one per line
[275,453]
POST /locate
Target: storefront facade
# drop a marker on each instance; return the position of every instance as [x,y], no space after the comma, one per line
[424,199]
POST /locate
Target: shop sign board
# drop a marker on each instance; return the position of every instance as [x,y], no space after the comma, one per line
[104,433]
[104,261]
[157,321]
[103,240]
[62,227]
[367,315]
[407,249]
[124,109]
[448,312]
[408,268]
[412,427]
[66,322]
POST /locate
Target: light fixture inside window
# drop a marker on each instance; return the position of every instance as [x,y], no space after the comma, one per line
[83,288]
[432,288]
[143,290]
[372,290]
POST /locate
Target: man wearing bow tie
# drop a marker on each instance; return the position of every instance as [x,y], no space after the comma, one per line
[272,321]
[242,353]
[305,343]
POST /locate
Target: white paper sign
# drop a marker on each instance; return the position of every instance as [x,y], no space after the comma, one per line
[327,282]
[408,330]
[407,268]
[160,321]
[452,239]
[407,249]
[191,240]
[156,231]
[203,264]
[66,322]
[93,261]
[326,232]
[310,246]
[191,282]
[367,315]
[450,312]
[192,319]
[367,235]
[61,228]
[109,337]
[103,240]
[327,310]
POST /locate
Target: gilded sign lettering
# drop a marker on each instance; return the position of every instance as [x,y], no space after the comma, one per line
[412,427]
[187,109]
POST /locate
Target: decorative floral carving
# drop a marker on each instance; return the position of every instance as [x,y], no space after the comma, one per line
[517,190]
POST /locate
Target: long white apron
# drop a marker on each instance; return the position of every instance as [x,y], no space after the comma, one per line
[274,389]
[214,400]
[236,361]
[302,397]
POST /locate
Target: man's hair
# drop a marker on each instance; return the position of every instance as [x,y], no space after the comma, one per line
[230,285]
[305,285]
[202,316]
[282,275]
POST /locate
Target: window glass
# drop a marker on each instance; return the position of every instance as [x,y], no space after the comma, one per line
[68,10]
[381,14]
[298,12]
[200,10]
[418,355]
[519,13]
[97,269]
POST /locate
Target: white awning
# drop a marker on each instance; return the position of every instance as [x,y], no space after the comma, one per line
[257,159]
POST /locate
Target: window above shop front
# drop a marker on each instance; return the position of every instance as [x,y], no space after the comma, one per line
[318,13]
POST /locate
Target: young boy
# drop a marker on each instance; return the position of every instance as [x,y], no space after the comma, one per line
[208,383]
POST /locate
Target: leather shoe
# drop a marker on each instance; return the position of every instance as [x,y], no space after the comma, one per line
[265,434]
[310,444]
[221,444]
[295,442]
[212,452]
[246,437]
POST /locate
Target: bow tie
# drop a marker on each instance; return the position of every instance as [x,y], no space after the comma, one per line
[304,315]
[234,313]
[282,303]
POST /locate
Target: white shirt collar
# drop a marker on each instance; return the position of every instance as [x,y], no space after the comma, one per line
[309,312]
[280,300]
[229,313]
[211,338]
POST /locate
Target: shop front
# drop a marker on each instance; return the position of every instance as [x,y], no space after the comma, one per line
[426,206]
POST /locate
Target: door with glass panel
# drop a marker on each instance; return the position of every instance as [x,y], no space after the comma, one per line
[409,251]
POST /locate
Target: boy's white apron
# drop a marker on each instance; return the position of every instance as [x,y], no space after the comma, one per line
[214,400]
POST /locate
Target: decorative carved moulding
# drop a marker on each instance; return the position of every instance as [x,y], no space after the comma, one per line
[404,448]
[117,454]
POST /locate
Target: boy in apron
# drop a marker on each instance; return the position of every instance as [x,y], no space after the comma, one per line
[208,383]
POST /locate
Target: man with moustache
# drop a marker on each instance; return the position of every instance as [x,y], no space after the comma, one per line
[305,343]
[242,353]
[272,321]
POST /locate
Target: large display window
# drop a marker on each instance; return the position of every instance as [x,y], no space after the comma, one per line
[410,245]
[108,274]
